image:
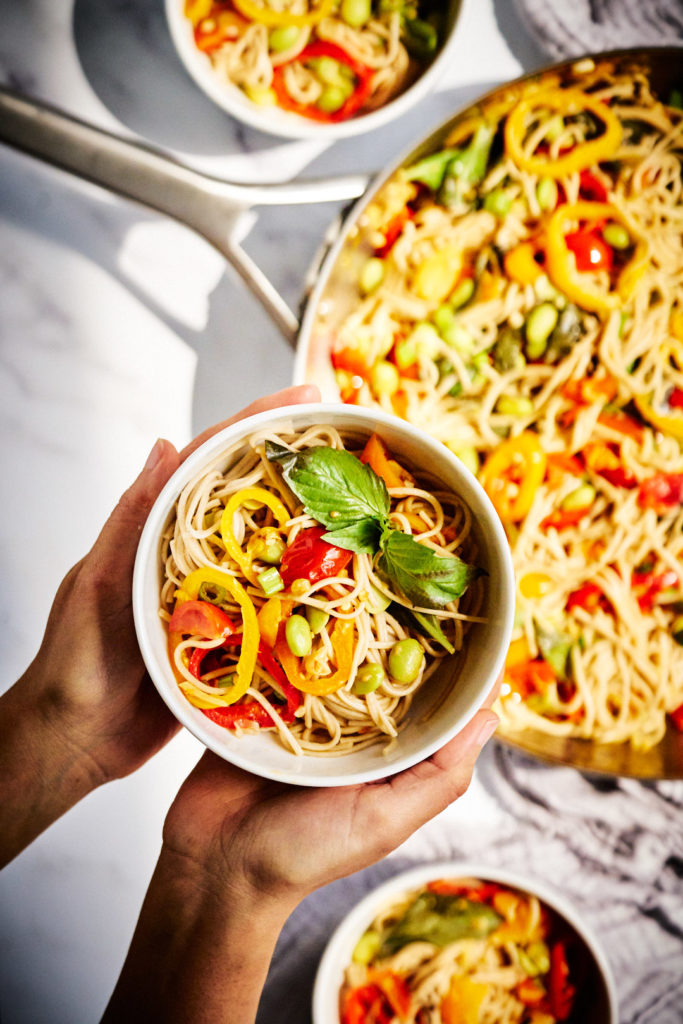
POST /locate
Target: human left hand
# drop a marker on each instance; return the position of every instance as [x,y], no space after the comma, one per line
[85,711]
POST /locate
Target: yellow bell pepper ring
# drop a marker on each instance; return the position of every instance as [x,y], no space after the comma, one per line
[668,422]
[251,634]
[267,15]
[578,285]
[262,497]
[568,102]
[197,10]
[512,475]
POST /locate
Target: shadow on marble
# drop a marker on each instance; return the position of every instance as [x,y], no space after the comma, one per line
[127,55]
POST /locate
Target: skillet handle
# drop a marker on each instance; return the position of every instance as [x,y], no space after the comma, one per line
[208,205]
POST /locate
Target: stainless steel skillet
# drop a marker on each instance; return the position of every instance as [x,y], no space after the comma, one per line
[212,208]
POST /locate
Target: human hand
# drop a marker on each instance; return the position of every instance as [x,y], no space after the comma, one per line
[250,838]
[240,852]
[85,710]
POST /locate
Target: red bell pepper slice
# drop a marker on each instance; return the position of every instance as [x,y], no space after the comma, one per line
[560,990]
[652,584]
[676,717]
[662,492]
[562,518]
[592,188]
[393,230]
[675,398]
[366,1004]
[241,714]
[590,250]
[589,597]
[321,48]
[312,558]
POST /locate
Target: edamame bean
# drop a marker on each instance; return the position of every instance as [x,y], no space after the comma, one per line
[498,202]
[331,99]
[317,619]
[546,194]
[581,497]
[467,455]
[375,600]
[405,353]
[367,946]
[540,324]
[283,38]
[405,660]
[463,293]
[372,275]
[426,339]
[617,236]
[356,12]
[508,405]
[384,379]
[443,317]
[368,678]
[298,636]
[460,339]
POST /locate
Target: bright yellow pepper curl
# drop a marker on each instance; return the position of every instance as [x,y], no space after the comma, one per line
[512,475]
[269,16]
[568,102]
[669,422]
[578,285]
[250,628]
[262,497]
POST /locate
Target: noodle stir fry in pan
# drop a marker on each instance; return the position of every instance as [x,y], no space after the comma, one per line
[522,301]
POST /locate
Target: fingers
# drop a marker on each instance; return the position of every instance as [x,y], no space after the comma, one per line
[289,396]
[114,550]
[413,797]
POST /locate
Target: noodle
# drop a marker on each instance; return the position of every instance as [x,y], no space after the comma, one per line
[463,949]
[353,599]
[461,281]
[317,59]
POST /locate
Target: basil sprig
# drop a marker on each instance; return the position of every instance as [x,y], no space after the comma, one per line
[352,502]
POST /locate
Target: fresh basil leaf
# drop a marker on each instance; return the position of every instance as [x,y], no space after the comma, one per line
[335,487]
[428,625]
[421,575]
[362,536]
[440,919]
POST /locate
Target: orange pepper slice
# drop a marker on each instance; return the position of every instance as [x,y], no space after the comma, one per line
[341,639]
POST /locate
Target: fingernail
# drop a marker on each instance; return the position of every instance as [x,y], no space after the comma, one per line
[486,730]
[154,456]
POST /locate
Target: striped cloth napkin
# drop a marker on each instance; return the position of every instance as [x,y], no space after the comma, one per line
[567,28]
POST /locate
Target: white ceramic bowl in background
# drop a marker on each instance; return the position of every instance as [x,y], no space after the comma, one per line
[601,1008]
[440,709]
[276,121]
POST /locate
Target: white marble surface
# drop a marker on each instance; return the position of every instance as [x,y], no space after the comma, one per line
[117,326]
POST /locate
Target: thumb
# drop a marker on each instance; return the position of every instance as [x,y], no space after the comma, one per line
[117,543]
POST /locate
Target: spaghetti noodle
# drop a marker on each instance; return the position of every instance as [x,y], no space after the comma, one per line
[324,637]
[462,950]
[522,301]
[328,60]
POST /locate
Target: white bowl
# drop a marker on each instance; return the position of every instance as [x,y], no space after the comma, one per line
[439,710]
[276,121]
[337,956]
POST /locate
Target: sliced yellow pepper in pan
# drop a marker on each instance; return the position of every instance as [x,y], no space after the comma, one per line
[578,285]
[512,475]
[567,102]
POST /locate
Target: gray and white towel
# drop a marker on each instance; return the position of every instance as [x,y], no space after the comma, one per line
[567,28]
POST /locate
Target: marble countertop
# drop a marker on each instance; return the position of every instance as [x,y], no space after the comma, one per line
[118,326]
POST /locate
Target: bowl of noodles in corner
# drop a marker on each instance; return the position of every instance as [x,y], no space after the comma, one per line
[515,289]
[314,68]
[460,942]
[322,595]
